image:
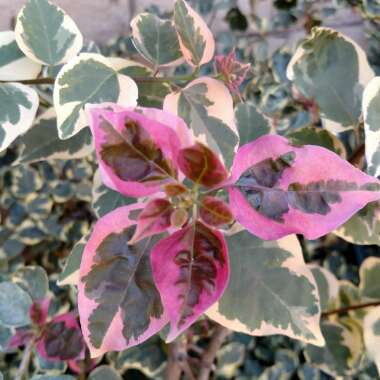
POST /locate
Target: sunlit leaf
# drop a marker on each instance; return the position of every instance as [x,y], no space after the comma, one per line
[46,34]
[279,189]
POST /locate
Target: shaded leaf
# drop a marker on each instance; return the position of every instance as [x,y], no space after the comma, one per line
[215,212]
[271,290]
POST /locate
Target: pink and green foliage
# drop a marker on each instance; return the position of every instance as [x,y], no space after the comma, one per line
[278,189]
[58,339]
[190,269]
[162,260]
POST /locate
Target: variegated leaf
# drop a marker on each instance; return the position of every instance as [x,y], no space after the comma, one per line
[14,65]
[371,331]
[34,148]
[328,285]
[190,269]
[278,189]
[271,290]
[119,305]
[207,107]
[363,228]
[88,78]
[156,40]
[371,115]
[46,34]
[151,93]
[137,154]
[332,69]
[18,107]
[369,278]
[343,350]
[317,136]
[104,199]
[195,38]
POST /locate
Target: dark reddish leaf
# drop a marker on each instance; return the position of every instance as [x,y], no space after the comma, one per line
[154,219]
[174,189]
[190,269]
[201,165]
[215,212]
[179,217]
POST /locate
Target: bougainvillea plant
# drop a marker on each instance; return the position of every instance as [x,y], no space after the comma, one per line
[199,198]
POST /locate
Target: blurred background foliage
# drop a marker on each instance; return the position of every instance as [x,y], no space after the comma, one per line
[45,208]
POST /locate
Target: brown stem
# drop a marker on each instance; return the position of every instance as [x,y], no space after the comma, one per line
[217,339]
[173,368]
[346,309]
[24,364]
[357,157]
[32,81]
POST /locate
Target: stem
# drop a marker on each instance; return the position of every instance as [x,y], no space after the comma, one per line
[357,156]
[217,339]
[24,365]
[32,81]
[173,368]
[346,309]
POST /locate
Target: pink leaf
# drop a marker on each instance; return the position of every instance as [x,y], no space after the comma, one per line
[136,153]
[22,336]
[61,339]
[190,269]
[119,305]
[279,189]
[154,219]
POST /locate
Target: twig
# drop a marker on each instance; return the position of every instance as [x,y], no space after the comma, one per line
[32,81]
[24,365]
[220,334]
[346,309]
[173,368]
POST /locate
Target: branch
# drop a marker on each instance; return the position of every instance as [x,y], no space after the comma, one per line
[24,364]
[32,81]
[346,309]
[173,368]
[217,339]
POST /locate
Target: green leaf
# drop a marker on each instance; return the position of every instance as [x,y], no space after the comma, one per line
[18,106]
[104,372]
[332,69]
[156,39]
[88,78]
[14,65]
[151,94]
[70,272]
[207,107]
[196,40]
[105,200]
[32,279]
[371,115]
[271,290]
[250,122]
[369,278]
[14,305]
[317,136]
[46,34]
[34,149]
